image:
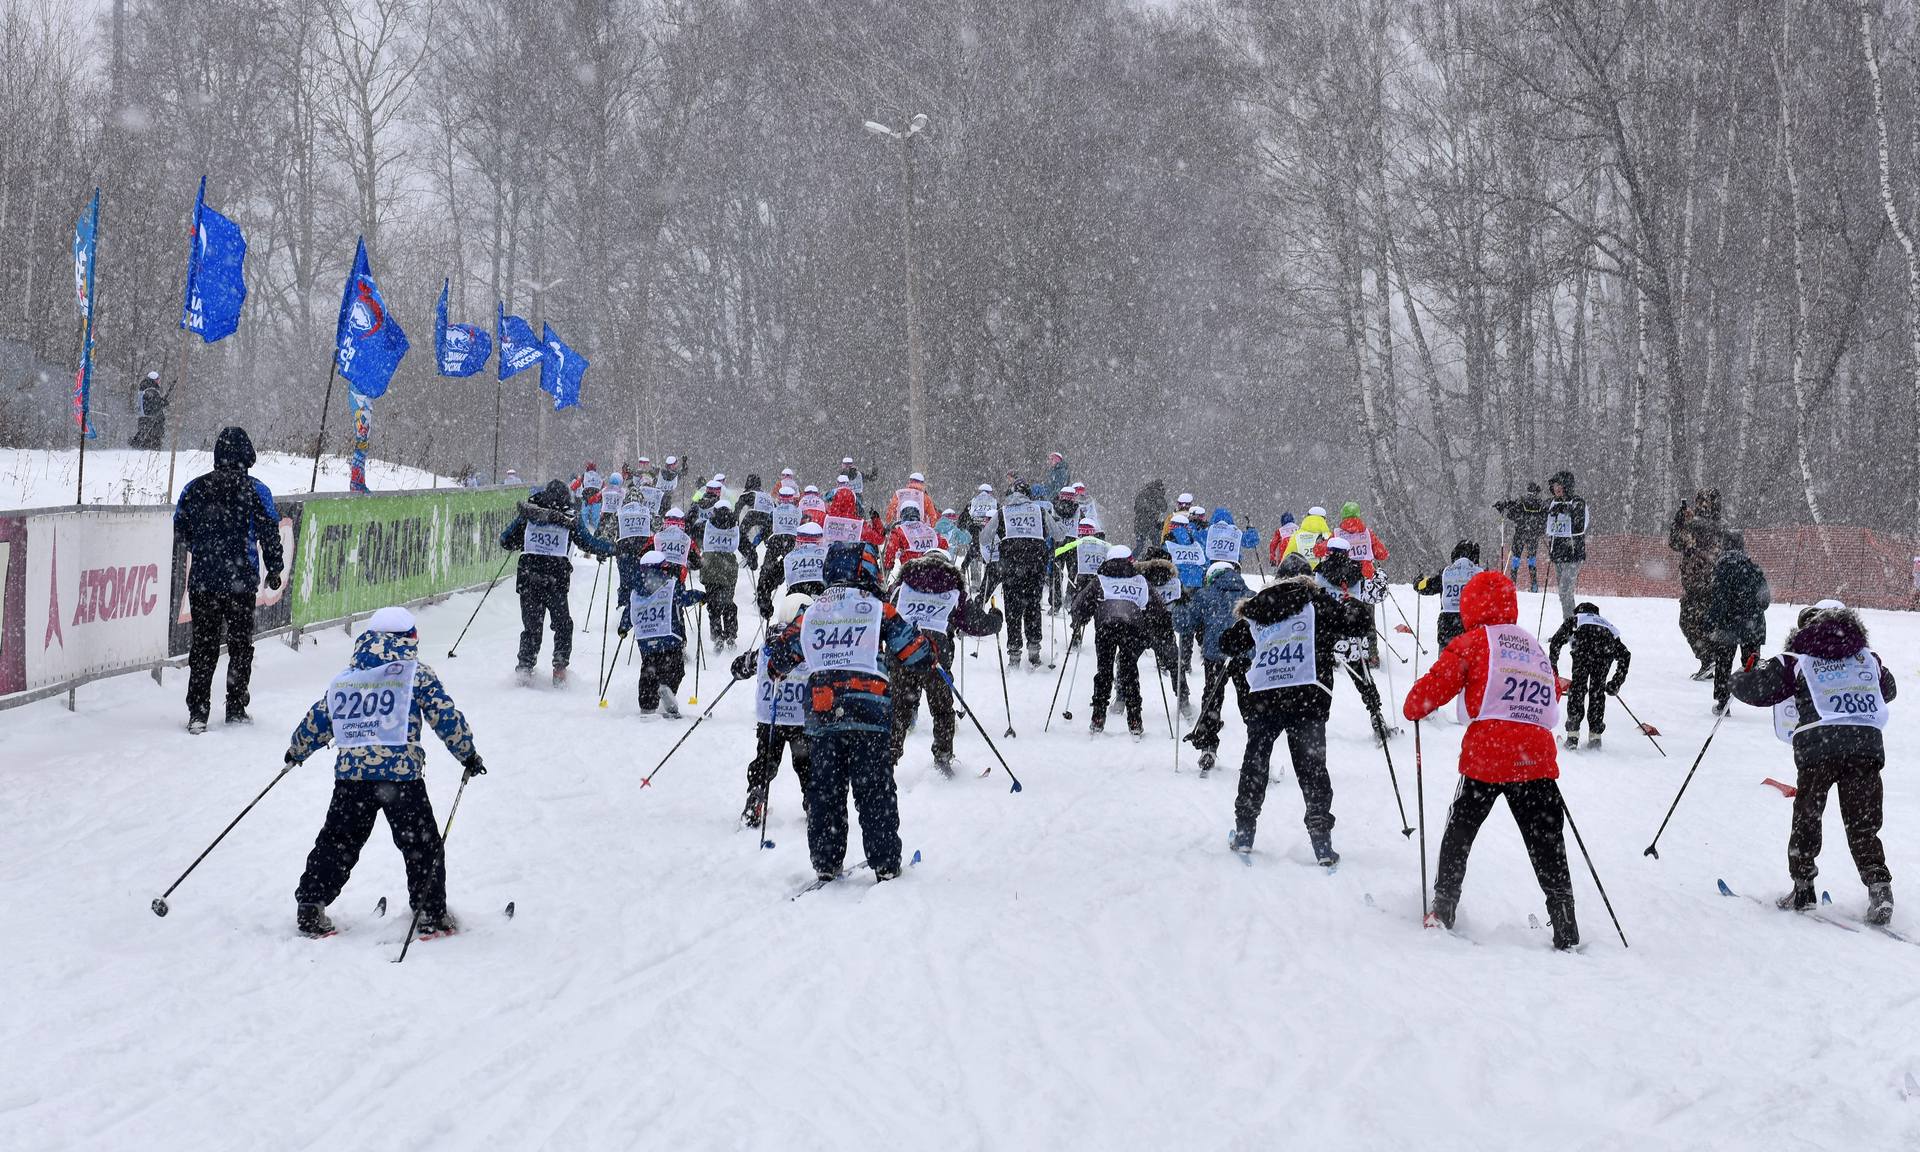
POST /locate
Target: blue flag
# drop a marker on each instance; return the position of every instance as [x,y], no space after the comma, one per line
[216,287]
[561,370]
[459,349]
[519,351]
[368,342]
[86,243]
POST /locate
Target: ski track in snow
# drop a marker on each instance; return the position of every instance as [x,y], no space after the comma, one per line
[1082,965]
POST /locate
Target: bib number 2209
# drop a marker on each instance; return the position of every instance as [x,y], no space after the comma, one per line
[364,705]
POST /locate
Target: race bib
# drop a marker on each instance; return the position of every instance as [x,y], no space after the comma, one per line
[842,529]
[1283,653]
[1359,544]
[674,544]
[804,564]
[763,502]
[781,702]
[1223,542]
[841,633]
[1453,581]
[813,502]
[1594,620]
[369,707]
[786,519]
[1519,679]
[1169,592]
[636,523]
[920,537]
[1187,555]
[982,507]
[990,549]
[928,610]
[546,540]
[651,615]
[1088,555]
[1132,589]
[1786,719]
[1560,525]
[612,498]
[1846,692]
[651,497]
[1024,521]
[717,540]
[911,497]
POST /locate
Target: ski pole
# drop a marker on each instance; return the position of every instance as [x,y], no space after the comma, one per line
[1652,849]
[973,716]
[1071,642]
[647,780]
[1072,681]
[1646,729]
[1388,644]
[1403,619]
[1592,870]
[1420,802]
[482,604]
[1000,653]
[606,614]
[697,661]
[413,925]
[607,681]
[586,623]
[159,904]
[1380,730]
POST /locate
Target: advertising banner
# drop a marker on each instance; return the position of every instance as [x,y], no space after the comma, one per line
[359,552]
[97,591]
[13,603]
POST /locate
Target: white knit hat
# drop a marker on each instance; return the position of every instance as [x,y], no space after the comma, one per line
[392,619]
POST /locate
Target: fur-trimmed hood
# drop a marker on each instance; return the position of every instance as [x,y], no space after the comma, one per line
[1276,602]
[1157,569]
[1828,633]
[931,574]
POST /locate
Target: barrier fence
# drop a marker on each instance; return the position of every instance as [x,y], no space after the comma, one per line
[1804,563]
[94,591]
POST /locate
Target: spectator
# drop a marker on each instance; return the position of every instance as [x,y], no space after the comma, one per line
[151,431]
[1736,614]
[1697,535]
[1566,536]
[227,521]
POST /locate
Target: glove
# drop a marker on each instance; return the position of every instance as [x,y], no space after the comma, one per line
[745,665]
[473,767]
[1613,687]
[291,758]
[624,629]
[599,557]
[273,581]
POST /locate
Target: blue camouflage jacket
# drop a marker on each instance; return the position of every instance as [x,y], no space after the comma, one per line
[430,700]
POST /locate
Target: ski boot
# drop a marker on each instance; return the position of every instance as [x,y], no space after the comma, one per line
[523,675]
[1240,840]
[1879,902]
[239,716]
[943,764]
[559,675]
[1098,724]
[1440,913]
[1593,743]
[883,874]
[1323,852]
[1186,708]
[670,707]
[196,725]
[1705,673]
[436,924]
[1573,741]
[756,805]
[1206,764]
[312,921]
[1566,933]
[1137,730]
[1033,658]
[1720,708]
[1800,899]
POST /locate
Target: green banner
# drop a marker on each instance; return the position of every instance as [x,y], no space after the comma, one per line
[361,552]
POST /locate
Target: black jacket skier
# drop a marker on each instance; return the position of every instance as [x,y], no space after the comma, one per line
[1600,660]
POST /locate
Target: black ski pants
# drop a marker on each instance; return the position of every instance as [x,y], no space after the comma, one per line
[1213,700]
[1861,811]
[541,602]
[1307,745]
[1023,612]
[724,616]
[1587,699]
[1116,653]
[855,760]
[668,667]
[218,615]
[350,821]
[769,739]
[1536,808]
[908,685]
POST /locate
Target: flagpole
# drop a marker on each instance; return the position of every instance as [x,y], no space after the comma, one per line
[179,383]
[320,437]
[86,344]
[496,428]
[80,481]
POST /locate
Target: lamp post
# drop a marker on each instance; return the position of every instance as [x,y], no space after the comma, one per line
[916,389]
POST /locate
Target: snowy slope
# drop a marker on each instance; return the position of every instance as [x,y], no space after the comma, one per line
[38,478]
[1082,965]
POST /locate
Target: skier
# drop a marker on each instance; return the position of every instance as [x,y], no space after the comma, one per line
[754,513]
[673,541]
[931,594]
[1306,539]
[712,495]
[1055,480]
[853,478]
[1566,536]
[1149,513]
[780,714]
[1448,584]
[1066,510]
[787,521]
[1282,536]
[1508,748]
[652,598]
[1362,543]
[1021,530]
[1829,692]
[910,539]
[914,495]
[720,553]
[1529,517]
[838,642]
[1600,660]
[150,431]
[586,488]
[1186,545]
[372,714]
[541,531]
[1339,575]
[1284,646]
[227,522]
[1216,605]
[1697,534]
[1737,614]
[1121,608]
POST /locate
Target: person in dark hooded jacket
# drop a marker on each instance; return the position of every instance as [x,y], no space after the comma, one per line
[1529,517]
[1736,614]
[1285,644]
[1022,529]
[1216,606]
[785,521]
[227,521]
[1508,750]
[931,593]
[720,551]
[1149,512]
[1697,534]
[541,532]
[754,512]
[1447,584]
[1830,692]
[1600,660]
[1119,604]
[1566,536]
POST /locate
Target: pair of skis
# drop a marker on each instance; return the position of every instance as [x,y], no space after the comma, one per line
[1820,914]
[820,882]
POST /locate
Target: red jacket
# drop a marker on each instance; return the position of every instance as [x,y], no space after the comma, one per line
[1493,751]
[897,549]
[1353,525]
[1277,547]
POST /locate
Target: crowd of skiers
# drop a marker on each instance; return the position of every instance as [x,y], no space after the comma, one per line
[863,595]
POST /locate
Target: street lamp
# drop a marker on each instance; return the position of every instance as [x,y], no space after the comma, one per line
[916,389]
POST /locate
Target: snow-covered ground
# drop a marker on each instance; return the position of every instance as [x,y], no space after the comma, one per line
[1081,965]
[40,478]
